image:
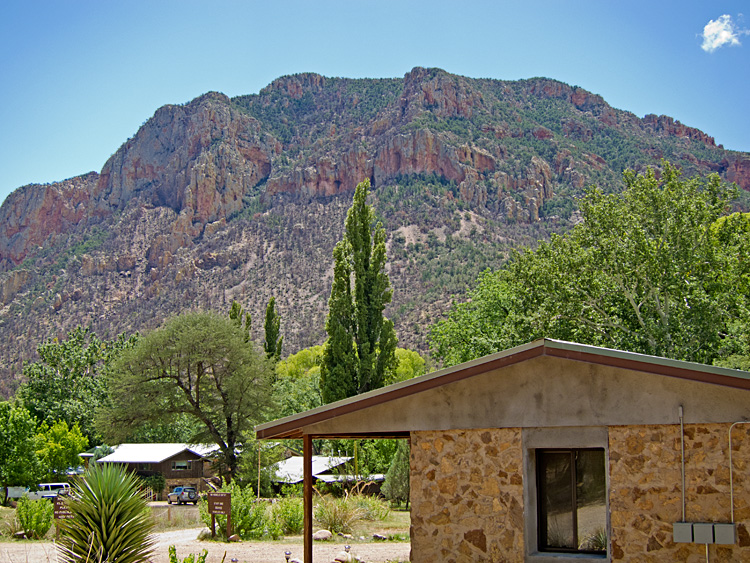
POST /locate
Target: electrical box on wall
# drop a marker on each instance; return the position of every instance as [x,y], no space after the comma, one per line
[682,532]
[725,534]
[704,532]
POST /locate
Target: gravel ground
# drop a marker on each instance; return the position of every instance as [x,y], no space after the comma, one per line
[255,552]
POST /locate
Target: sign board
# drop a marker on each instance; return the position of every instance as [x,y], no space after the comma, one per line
[220,503]
[61,510]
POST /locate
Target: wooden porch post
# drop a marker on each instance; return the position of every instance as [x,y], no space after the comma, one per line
[307,497]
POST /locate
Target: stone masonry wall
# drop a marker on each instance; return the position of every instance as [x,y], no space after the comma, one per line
[467,502]
[645,490]
[467,493]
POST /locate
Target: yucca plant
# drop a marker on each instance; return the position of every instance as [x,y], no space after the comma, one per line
[110,522]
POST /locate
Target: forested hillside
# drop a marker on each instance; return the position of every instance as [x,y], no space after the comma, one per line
[242,199]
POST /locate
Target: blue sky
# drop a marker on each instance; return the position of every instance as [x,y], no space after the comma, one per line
[80,77]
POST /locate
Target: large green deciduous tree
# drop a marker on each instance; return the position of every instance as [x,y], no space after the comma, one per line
[66,383]
[360,351]
[19,462]
[659,269]
[297,385]
[197,364]
[59,446]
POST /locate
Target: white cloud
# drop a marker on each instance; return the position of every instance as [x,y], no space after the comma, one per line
[719,32]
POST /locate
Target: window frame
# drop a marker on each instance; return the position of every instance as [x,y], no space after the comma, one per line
[188,465]
[572,454]
[560,438]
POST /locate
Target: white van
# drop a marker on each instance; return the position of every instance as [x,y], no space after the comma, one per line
[46,490]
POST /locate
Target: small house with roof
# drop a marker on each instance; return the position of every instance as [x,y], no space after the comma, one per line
[181,464]
[555,451]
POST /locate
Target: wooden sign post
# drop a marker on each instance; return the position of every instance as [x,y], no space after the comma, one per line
[220,503]
[61,512]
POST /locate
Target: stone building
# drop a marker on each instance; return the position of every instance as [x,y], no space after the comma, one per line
[555,451]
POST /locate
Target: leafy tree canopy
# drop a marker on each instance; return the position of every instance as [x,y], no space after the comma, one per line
[410,365]
[297,385]
[19,462]
[199,365]
[301,364]
[66,383]
[59,446]
[241,319]
[659,269]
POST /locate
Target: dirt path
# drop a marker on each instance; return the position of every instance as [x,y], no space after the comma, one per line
[255,552]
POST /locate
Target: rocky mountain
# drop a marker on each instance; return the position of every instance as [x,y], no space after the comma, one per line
[240,199]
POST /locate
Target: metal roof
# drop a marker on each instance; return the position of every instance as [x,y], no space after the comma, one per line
[291,469]
[293,426]
[153,453]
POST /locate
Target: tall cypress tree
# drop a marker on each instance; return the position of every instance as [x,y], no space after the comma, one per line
[241,319]
[361,345]
[272,326]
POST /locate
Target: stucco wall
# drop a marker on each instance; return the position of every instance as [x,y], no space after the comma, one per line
[467,496]
[547,392]
[467,492]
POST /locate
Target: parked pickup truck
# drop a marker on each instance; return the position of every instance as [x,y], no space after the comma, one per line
[183,495]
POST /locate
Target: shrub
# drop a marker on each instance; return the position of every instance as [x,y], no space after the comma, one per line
[189,559]
[34,517]
[155,483]
[288,513]
[251,518]
[9,524]
[373,508]
[110,519]
[337,514]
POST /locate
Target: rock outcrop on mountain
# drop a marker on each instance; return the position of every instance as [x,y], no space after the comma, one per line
[244,198]
[201,158]
[36,215]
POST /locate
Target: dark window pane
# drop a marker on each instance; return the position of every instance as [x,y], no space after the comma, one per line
[557,509]
[591,500]
[572,500]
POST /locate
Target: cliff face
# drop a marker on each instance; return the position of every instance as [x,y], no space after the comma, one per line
[36,215]
[200,158]
[244,198]
[203,159]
